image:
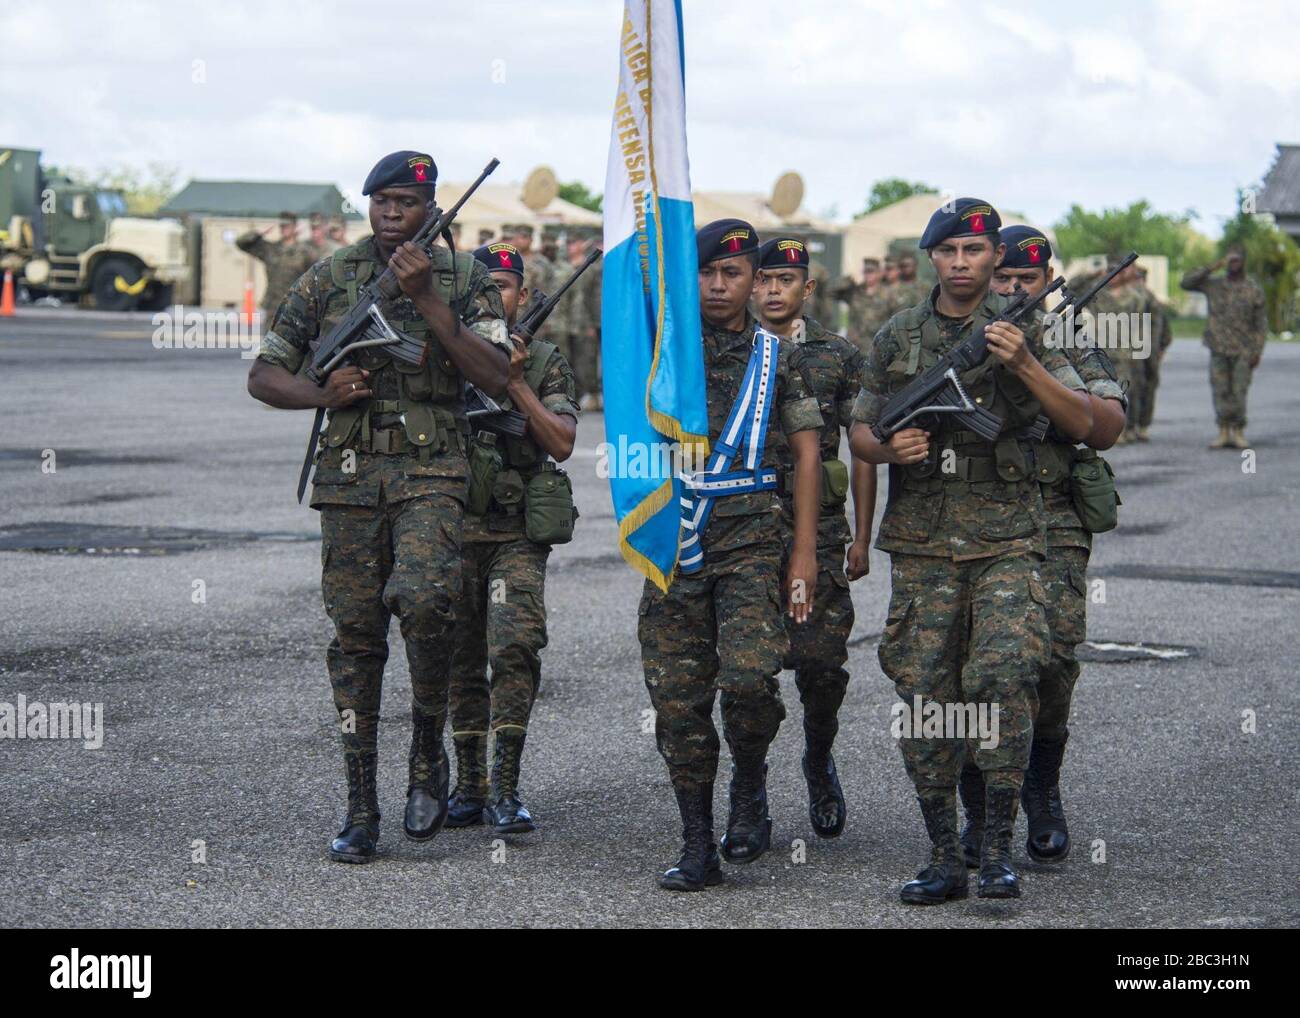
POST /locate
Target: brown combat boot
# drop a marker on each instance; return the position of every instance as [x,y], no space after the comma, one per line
[1144,434]
[1224,438]
[1239,437]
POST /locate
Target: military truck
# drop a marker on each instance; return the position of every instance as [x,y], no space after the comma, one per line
[74,241]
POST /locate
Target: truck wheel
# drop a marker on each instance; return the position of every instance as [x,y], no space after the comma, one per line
[115,284]
[156,297]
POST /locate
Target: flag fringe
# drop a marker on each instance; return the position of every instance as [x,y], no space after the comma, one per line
[632,522]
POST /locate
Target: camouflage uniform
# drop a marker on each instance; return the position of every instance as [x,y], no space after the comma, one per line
[722,628]
[586,330]
[868,312]
[967,615]
[501,614]
[1148,370]
[1068,548]
[831,366]
[284,264]
[539,276]
[819,305]
[391,496]
[1235,333]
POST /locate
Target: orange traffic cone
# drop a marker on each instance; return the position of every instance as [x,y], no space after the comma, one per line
[7,296]
[250,307]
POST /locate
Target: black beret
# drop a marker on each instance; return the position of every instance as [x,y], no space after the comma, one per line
[965,217]
[501,257]
[783,253]
[401,169]
[1027,248]
[724,238]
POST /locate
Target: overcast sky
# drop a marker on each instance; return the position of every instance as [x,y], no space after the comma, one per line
[1028,105]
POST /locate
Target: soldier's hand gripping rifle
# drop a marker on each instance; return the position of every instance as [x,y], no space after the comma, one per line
[483,411]
[364,325]
[940,391]
[1038,430]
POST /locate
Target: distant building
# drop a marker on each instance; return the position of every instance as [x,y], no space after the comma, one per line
[1281,195]
[217,211]
[253,199]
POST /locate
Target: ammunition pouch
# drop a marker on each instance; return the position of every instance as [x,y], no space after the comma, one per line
[1092,489]
[484,468]
[835,483]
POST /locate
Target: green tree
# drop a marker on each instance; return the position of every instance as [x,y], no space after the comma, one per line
[1272,258]
[892,189]
[146,191]
[1115,232]
[576,192]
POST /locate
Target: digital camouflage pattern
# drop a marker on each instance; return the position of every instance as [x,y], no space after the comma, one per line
[719,630]
[722,628]
[539,276]
[967,632]
[1235,332]
[501,615]
[284,264]
[1230,377]
[967,619]
[391,522]
[1064,528]
[820,305]
[868,312]
[1064,571]
[831,366]
[400,558]
[586,330]
[1065,582]
[558,393]
[1133,369]
[1238,314]
[501,623]
[946,515]
[1147,371]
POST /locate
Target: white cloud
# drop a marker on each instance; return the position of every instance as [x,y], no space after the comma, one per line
[1177,103]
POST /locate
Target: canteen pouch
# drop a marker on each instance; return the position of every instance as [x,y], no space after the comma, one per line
[549,512]
[835,483]
[484,469]
[508,491]
[1092,489]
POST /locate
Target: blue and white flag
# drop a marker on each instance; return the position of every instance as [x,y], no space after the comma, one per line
[651,348]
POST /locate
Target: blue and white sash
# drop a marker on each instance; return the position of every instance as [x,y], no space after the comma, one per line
[745,431]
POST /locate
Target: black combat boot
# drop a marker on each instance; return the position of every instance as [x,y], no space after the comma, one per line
[826,807]
[997,877]
[945,877]
[749,828]
[971,786]
[699,866]
[1049,837]
[469,797]
[507,814]
[430,774]
[356,841]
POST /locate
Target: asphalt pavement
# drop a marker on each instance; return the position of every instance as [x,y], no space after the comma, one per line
[153,560]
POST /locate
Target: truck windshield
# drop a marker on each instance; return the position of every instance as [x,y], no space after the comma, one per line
[111,203]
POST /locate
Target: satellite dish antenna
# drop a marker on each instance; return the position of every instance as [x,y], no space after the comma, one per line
[787,195]
[540,188]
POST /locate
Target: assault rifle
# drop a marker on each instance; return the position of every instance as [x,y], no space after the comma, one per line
[365,325]
[940,391]
[1038,430]
[483,411]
